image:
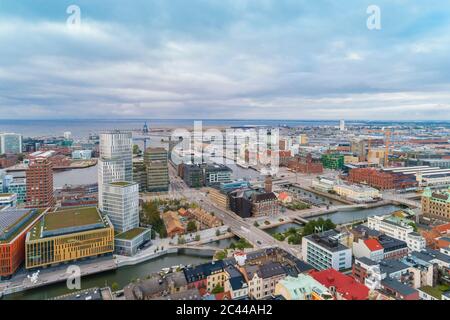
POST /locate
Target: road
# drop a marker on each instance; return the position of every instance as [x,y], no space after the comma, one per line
[239,226]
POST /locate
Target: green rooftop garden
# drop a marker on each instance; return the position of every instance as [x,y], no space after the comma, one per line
[130,234]
[72,218]
[121,184]
[436,291]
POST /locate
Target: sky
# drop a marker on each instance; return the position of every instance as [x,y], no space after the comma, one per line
[225,59]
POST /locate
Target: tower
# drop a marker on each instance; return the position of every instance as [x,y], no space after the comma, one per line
[268,184]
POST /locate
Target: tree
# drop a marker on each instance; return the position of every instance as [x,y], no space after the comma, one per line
[114,286]
[217,289]
[197,237]
[256,224]
[217,232]
[136,149]
[191,226]
[181,240]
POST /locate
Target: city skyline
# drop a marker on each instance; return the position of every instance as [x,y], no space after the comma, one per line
[229,60]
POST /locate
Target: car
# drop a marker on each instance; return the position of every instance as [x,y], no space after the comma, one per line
[259,242]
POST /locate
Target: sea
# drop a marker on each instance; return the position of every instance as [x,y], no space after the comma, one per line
[82,128]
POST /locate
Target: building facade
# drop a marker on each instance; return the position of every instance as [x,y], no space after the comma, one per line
[436,205]
[157,170]
[10,143]
[121,205]
[39,184]
[68,235]
[115,161]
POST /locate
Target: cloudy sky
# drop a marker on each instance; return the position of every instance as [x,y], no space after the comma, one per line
[230,59]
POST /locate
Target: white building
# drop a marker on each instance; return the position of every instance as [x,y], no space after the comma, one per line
[8,200]
[324,251]
[68,135]
[398,230]
[342,125]
[121,205]
[82,154]
[357,193]
[369,248]
[116,160]
[10,143]
[324,184]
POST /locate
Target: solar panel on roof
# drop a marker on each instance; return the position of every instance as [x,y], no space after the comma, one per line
[9,217]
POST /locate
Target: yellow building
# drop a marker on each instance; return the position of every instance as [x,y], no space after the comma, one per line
[219,198]
[376,156]
[350,159]
[68,235]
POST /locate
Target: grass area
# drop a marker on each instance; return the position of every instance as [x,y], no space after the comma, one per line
[436,291]
[297,205]
[121,183]
[130,234]
[241,244]
[71,218]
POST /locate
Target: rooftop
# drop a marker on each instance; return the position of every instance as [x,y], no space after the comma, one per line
[67,221]
[397,286]
[348,287]
[131,234]
[121,184]
[13,221]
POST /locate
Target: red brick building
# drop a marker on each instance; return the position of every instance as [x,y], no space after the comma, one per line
[382,180]
[40,184]
[306,165]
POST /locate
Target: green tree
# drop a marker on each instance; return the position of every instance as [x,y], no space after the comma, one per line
[217,232]
[256,224]
[114,286]
[136,149]
[191,226]
[197,237]
[217,289]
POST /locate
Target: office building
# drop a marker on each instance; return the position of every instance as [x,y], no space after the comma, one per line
[156,163]
[18,186]
[10,143]
[39,184]
[332,161]
[128,243]
[68,235]
[82,154]
[121,205]
[324,251]
[140,174]
[305,165]
[14,225]
[8,200]
[216,174]
[115,161]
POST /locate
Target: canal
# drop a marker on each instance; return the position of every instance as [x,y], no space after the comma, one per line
[343,217]
[121,276]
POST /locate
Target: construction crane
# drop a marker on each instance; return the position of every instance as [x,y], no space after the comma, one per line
[387,141]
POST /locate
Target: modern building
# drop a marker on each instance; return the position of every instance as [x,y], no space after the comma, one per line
[192,174]
[216,174]
[128,243]
[157,170]
[121,205]
[436,205]
[324,251]
[14,225]
[10,143]
[115,161]
[140,174]
[39,184]
[332,161]
[68,235]
[8,200]
[82,154]
[368,248]
[18,186]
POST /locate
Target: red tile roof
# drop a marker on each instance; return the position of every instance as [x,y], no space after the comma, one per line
[345,285]
[373,244]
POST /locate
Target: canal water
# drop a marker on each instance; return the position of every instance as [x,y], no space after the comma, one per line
[342,217]
[282,228]
[121,276]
